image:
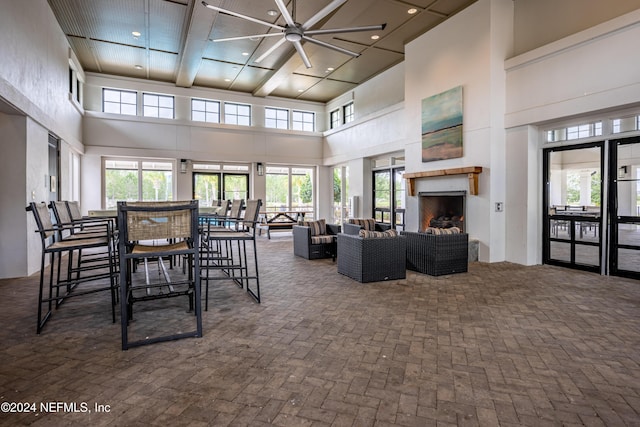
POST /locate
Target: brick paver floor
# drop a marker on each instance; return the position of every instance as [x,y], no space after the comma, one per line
[501,345]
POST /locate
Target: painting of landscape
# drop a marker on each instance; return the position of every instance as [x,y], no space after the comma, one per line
[442,126]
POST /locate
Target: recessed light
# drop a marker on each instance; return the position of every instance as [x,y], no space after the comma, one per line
[375,37]
[136,33]
[412,11]
[330,69]
[245,53]
[138,67]
[272,12]
[300,90]
[227,80]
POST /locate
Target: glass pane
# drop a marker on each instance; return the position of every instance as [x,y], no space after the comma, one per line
[628,180]
[206,188]
[150,111]
[587,255]
[629,260]
[151,100]
[129,109]
[213,117]
[128,97]
[166,113]
[559,229]
[120,184]
[587,231]
[198,116]
[112,107]
[197,105]
[302,190]
[382,189]
[235,187]
[111,95]
[157,185]
[575,179]
[629,234]
[165,101]
[560,251]
[277,191]
[337,196]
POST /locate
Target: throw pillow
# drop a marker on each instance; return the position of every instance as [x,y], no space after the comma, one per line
[318,228]
[365,223]
[439,231]
[367,234]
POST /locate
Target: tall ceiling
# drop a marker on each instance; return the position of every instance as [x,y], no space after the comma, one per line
[175,42]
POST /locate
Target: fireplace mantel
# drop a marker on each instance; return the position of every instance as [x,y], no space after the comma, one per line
[471,171]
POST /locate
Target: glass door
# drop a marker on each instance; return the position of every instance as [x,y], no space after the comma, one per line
[573,206]
[625,207]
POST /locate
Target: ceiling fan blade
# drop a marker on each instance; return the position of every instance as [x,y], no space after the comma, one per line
[331,46]
[239,15]
[256,36]
[321,15]
[285,13]
[302,54]
[270,50]
[345,30]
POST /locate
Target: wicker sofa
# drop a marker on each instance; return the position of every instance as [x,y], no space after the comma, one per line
[437,254]
[312,242]
[354,225]
[372,259]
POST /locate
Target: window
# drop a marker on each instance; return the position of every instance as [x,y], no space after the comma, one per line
[347,113]
[75,86]
[303,120]
[626,124]
[203,110]
[569,133]
[119,102]
[237,114]
[157,106]
[389,193]
[289,189]
[214,182]
[335,119]
[276,118]
[134,180]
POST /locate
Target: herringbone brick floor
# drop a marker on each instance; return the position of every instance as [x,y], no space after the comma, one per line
[502,345]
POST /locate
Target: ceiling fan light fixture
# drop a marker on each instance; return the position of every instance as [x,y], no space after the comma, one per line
[293,37]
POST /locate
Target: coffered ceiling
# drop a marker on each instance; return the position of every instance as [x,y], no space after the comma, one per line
[175,42]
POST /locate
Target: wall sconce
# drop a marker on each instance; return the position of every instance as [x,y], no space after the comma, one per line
[183,165]
[260,168]
[622,172]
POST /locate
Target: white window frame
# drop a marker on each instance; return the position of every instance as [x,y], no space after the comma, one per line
[140,170]
[334,118]
[209,112]
[157,105]
[234,117]
[276,118]
[307,122]
[113,102]
[348,113]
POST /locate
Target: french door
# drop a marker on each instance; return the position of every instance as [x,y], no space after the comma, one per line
[624,205]
[592,207]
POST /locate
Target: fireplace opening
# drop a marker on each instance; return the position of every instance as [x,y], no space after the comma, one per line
[442,209]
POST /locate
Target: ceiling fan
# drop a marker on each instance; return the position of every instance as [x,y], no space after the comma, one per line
[294,32]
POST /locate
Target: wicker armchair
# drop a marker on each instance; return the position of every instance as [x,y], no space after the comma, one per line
[372,259]
[437,254]
[353,225]
[307,246]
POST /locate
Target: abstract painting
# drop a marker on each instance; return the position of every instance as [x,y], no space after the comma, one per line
[442,126]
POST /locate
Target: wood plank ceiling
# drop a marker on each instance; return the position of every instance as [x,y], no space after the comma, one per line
[175,42]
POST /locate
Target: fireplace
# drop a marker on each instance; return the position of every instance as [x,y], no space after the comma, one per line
[442,209]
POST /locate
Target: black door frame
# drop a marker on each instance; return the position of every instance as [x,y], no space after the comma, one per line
[570,220]
[614,219]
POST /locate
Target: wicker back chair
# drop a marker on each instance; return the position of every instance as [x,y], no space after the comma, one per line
[153,230]
[437,254]
[372,259]
[307,244]
[354,225]
[91,275]
[226,252]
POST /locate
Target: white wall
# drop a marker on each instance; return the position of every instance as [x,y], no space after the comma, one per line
[478,40]
[583,74]
[109,135]
[34,78]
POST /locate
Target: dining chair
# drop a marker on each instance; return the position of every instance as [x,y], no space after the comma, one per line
[92,275]
[232,260]
[151,231]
